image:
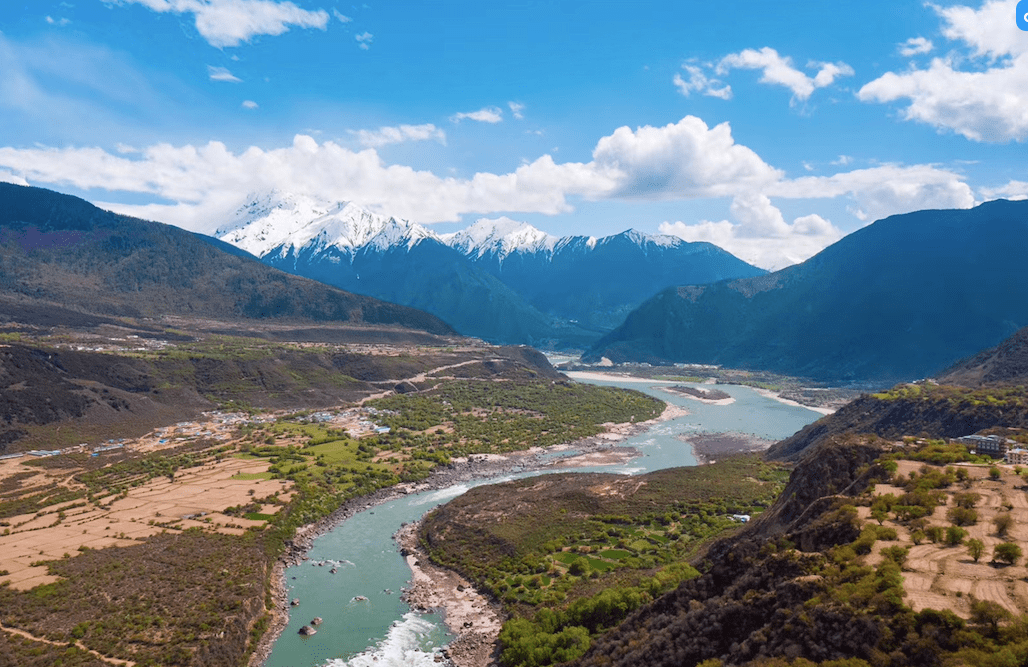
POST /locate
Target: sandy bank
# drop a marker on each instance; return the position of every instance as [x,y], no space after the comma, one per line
[473,619]
[709,401]
[611,377]
[709,447]
[776,396]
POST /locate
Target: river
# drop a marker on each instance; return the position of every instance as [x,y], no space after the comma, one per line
[365,622]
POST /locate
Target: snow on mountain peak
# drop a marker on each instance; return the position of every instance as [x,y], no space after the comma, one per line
[501,236]
[291,221]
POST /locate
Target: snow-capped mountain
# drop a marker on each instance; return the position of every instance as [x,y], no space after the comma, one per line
[499,279]
[500,237]
[283,222]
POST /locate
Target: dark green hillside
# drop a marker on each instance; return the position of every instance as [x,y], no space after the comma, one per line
[58,250]
[898,300]
[435,278]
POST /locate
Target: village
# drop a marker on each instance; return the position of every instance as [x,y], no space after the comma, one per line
[191,497]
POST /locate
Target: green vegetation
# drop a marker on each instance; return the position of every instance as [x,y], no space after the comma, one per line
[573,554]
[491,416]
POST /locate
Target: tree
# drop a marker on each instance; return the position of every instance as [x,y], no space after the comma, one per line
[962,516]
[955,535]
[1007,552]
[988,613]
[966,500]
[975,548]
[1003,523]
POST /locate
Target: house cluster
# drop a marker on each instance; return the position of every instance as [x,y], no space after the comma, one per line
[997,447]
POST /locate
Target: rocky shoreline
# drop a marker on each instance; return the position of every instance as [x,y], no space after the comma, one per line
[478,466]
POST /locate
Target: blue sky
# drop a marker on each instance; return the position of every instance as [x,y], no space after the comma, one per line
[771,129]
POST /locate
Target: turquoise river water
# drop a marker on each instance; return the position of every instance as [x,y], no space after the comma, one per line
[381,630]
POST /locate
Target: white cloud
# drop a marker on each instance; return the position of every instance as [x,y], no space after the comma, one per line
[364,40]
[779,70]
[517,109]
[1014,190]
[484,115]
[249,104]
[342,17]
[884,190]
[384,136]
[760,235]
[842,161]
[915,46]
[989,103]
[208,181]
[230,22]
[61,22]
[681,160]
[222,74]
[8,177]
[700,83]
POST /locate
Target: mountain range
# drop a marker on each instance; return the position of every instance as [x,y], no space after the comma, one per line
[65,261]
[900,299]
[500,280]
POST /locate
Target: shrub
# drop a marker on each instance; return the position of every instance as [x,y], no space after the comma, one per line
[1007,552]
[961,516]
[1003,522]
[955,535]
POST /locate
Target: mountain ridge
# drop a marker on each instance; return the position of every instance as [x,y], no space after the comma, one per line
[529,286]
[897,300]
[59,250]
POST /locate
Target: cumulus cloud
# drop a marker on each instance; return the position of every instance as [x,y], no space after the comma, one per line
[222,74]
[384,136]
[1014,190]
[342,18]
[517,109]
[699,82]
[760,235]
[59,22]
[207,181]
[231,22]
[679,161]
[915,46]
[249,104]
[884,190]
[684,159]
[8,177]
[779,70]
[484,115]
[985,99]
[364,40]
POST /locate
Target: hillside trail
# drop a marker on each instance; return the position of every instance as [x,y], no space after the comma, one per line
[423,377]
[42,640]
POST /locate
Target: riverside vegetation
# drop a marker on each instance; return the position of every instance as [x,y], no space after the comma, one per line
[195,590]
[571,555]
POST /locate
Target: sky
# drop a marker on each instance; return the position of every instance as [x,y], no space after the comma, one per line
[769,129]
